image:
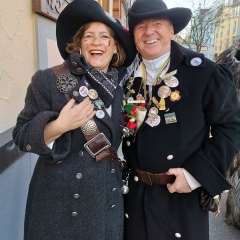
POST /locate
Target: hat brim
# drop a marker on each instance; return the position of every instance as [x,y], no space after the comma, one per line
[78,13]
[179,17]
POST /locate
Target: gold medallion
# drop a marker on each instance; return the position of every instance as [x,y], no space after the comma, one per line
[175,96]
[92,94]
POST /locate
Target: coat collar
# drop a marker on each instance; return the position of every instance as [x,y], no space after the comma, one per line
[180,54]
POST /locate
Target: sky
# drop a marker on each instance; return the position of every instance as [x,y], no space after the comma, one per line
[177,3]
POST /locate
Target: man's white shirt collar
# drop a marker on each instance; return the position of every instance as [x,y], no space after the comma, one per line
[152,67]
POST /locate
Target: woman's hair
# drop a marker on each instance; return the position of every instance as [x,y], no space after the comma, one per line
[76,42]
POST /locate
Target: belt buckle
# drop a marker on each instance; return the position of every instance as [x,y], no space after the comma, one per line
[86,145]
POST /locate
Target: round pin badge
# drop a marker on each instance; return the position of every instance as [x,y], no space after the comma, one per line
[92,94]
[98,104]
[156,121]
[153,112]
[100,113]
[196,61]
[83,90]
[164,91]
[171,82]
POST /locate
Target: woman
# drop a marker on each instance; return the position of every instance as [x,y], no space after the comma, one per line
[231,57]
[75,191]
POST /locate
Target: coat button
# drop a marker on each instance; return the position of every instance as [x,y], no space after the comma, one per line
[112,170]
[126,215]
[74,214]
[113,206]
[136,178]
[74,64]
[75,93]
[78,175]
[128,143]
[76,195]
[81,153]
[169,157]
[177,235]
[79,70]
[28,147]
[114,189]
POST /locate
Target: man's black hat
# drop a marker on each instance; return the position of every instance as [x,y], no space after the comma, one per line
[146,9]
[80,12]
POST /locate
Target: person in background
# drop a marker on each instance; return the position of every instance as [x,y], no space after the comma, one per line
[231,57]
[71,119]
[188,137]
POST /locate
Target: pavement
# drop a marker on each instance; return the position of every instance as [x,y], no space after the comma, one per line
[218,229]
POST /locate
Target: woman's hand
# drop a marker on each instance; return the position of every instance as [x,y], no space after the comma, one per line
[74,116]
[71,117]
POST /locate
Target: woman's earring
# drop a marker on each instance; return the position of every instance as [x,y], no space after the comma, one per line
[80,51]
[117,58]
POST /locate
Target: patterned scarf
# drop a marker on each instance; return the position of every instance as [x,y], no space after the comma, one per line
[104,83]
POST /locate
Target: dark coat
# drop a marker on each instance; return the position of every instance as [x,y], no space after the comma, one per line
[208,99]
[71,196]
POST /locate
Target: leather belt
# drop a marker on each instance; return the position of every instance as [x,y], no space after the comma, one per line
[97,144]
[151,178]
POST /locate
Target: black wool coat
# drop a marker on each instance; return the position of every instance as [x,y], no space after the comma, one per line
[208,101]
[71,196]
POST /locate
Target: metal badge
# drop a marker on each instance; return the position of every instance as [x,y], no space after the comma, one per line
[65,83]
[92,94]
[196,61]
[170,118]
[83,90]
[153,112]
[89,127]
[153,122]
[126,132]
[175,96]
[171,82]
[99,104]
[164,91]
[100,114]
[162,104]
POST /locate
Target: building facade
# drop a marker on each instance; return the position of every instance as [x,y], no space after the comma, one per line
[227,31]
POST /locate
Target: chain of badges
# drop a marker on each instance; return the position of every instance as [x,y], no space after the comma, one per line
[135,109]
[93,95]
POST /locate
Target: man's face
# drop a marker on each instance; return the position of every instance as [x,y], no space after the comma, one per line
[153,37]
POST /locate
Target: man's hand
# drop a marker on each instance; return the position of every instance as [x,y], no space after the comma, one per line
[180,185]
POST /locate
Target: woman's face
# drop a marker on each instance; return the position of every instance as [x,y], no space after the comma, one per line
[98,46]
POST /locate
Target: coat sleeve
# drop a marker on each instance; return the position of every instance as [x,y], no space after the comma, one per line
[37,112]
[222,113]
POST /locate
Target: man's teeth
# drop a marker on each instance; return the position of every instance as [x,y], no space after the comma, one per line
[152,41]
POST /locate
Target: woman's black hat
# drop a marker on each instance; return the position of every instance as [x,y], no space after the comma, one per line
[146,9]
[80,12]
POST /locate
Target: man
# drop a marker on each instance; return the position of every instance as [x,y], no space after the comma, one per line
[188,137]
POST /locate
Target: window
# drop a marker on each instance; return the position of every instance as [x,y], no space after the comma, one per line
[227,41]
[217,33]
[236,11]
[220,46]
[221,33]
[228,31]
[234,26]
